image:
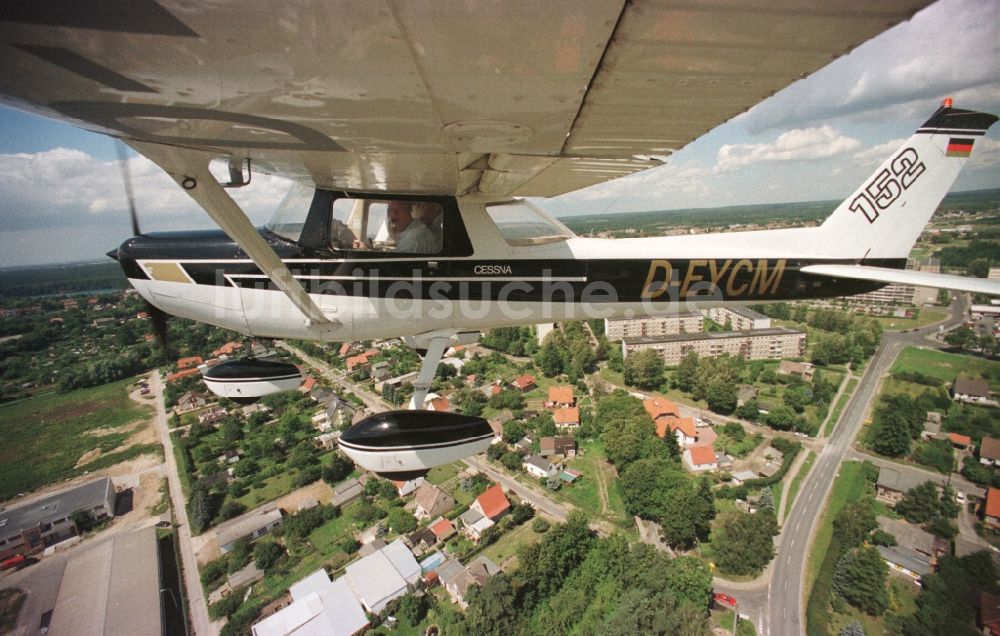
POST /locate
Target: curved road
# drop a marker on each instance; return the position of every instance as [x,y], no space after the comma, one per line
[775,600]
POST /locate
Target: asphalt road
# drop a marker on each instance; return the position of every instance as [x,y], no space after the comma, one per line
[372,401]
[197,607]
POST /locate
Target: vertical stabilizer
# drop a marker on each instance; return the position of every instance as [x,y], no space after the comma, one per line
[884,217]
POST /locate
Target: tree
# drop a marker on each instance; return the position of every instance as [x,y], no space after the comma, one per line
[492,608]
[860,579]
[686,373]
[413,608]
[855,522]
[743,543]
[203,506]
[721,396]
[920,503]
[689,579]
[511,461]
[513,431]
[853,628]
[540,525]
[495,452]
[891,436]
[401,522]
[644,369]
[521,512]
[938,454]
[338,469]
[266,554]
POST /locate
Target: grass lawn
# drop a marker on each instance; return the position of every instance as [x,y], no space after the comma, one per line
[272,488]
[838,409]
[507,546]
[945,366]
[793,489]
[45,437]
[926,317]
[584,493]
[724,618]
[849,486]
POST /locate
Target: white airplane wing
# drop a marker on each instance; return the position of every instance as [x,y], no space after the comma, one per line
[444,97]
[906,277]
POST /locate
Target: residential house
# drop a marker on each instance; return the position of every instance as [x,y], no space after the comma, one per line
[439,404]
[524,383]
[538,466]
[406,487]
[421,540]
[658,408]
[492,503]
[991,511]
[173,377]
[683,428]
[972,391]
[932,426]
[564,445]
[566,417]
[189,362]
[442,529]
[101,323]
[474,522]
[893,484]
[307,385]
[960,442]
[460,581]
[346,348]
[701,458]
[396,382]
[449,572]
[906,561]
[212,417]
[569,475]
[523,446]
[321,422]
[251,409]
[380,371]
[360,361]
[327,441]
[740,477]
[915,538]
[804,370]
[319,606]
[227,349]
[431,501]
[191,401]
[989,451]
[251,528]
[560,396]
[988,613]
[347,491]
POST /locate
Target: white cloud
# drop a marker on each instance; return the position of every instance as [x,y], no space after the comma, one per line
[795,145]
[879,153]
[69,187]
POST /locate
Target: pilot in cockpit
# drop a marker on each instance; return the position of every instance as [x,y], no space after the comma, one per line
[412,236]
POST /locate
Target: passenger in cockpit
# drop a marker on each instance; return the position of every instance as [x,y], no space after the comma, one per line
[412,236]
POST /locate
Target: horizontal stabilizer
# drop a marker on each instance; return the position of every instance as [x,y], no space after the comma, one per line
[906,277]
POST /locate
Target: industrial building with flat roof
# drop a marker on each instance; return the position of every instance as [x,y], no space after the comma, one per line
[761,344]
[111,589]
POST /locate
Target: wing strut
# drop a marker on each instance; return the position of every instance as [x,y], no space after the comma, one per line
[189,168]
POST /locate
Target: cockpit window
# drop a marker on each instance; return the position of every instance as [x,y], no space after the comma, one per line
[290,216]
[521,223]
[406,227]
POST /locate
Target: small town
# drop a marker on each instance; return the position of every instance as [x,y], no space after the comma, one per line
[670,457]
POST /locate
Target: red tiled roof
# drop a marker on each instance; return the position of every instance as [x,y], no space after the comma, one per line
[441,404]
[361,358]
[345,348]
[493,502]
[181,374]
[566,415]
[443,528]
[561,395]
[993,503]
[190,361]
[686,424]
[228,349]
[659,407]
[308,384]
[961,440]
[524,381]
[701,455]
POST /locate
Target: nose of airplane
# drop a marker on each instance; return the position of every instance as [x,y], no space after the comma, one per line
[113,254]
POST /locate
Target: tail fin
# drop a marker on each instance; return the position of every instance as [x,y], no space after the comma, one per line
[885,216]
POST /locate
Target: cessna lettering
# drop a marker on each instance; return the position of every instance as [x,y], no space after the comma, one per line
[733,277]
[493,270]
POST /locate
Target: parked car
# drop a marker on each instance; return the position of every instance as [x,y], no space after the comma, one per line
[12,562]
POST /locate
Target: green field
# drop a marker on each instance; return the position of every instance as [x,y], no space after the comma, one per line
[945,366]
[831,423]
[44,437]
[926,317]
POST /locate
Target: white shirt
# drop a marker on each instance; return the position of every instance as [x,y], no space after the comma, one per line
[417,238]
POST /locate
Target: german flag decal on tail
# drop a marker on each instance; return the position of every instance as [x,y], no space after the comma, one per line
[959,147]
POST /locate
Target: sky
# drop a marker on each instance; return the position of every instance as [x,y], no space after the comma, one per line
[62,197]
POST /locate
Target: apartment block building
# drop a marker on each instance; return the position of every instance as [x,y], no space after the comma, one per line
[760,344]
[655,326]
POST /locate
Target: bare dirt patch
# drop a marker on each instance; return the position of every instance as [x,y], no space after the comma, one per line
[88,457]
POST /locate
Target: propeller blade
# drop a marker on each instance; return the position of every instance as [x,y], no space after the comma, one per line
[127,179]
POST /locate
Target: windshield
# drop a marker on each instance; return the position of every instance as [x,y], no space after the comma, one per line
[520,223]
[290,216]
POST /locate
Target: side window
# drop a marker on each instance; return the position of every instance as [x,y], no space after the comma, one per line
[405,227]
